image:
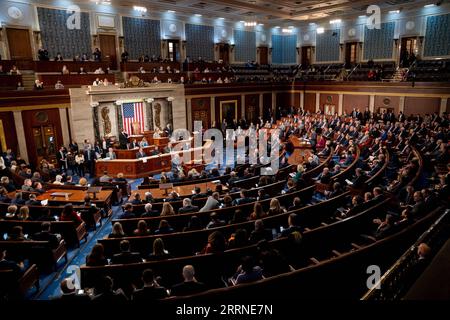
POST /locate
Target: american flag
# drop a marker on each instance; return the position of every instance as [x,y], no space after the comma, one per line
[132,112]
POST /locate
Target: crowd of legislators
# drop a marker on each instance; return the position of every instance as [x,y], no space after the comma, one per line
[43,55]
[371,133]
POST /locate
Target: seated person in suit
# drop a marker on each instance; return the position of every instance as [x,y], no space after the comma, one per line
[10,265]
[136,200]
[128,212]
[149,197]
[386,227]
[190,285]
[120,178]
[187,206]
[260,233]
[151,290]
[32,200]
[248,271]
[69,292]
[88,211]
[140,154]
[46,235]
[292,226]
[149,212]
[297,204]
[105,178]
[125,256]
[244,198]
[215,221]
[104,292]
[97,256]
[360,179]
[111,154]
[69,214]
[198,194]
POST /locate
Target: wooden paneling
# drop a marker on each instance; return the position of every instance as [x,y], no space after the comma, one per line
[73,66]
[201,111]
[388,102]
[310,102]
[73,80]
[19,44]
[252,107]
[30,98]
[448,105]
[37,118]
[329,99]
[414,105]
[148,66]
[108,49]
[263,53]
[9,129]
[227,98]
[355,101]
[9,82]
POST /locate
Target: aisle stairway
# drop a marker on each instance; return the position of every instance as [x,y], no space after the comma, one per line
[399,74]
[28,78]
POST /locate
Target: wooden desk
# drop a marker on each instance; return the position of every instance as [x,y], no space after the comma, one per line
[162,141]
[147,134]
[138,168]
[76,196]
[183,191]
[302,150]
[131,153]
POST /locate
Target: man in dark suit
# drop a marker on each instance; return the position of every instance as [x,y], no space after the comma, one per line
[110,154]
[89,160]
[69,292]
[32,200]
[125,256]
[62,160]
[187,206]
[123,139]
[198,194]
[292,226]
[243,199]
[151,290]
[360,179]
[140,154]
[190,285]
[46,235]
[9,265]
[128,212]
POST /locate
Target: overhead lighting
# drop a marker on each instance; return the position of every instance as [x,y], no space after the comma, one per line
[221,18]
[242,21]
[260,24]
[429,5]
[312,23]
[198,15]
[394,11]
[170,11]
[291,27]
[320,30]
[103,2]
[250,23]
[335,21]
[362,17]
[140,9]
[277,27]
[285,30]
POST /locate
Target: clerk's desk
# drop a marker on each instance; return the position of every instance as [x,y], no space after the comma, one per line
[138,168]
[159,143]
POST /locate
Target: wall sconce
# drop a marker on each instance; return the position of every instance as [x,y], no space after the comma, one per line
[170,99]
[37,36]
[149,100]
[94,104]
[421,39]
[298,50]
[341,45]
[121,41]
[396,41]
[183,44]
[232,47]
[270,50]
[95,38]
[119,102]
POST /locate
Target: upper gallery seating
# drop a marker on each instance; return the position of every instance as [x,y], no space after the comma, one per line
[429,70]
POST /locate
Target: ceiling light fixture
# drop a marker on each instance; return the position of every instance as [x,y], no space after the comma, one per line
[335,21]
[139,9]
[429,5]
[250,23]
[394,11]
[285,30]
[320,30]
[170,11]
[198,15]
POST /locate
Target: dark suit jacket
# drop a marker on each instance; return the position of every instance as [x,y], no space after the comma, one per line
[149,294]
[187,288]
[46,236]
[188,209]
[126,257]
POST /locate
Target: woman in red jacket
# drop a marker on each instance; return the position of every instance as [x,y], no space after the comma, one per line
[69,215]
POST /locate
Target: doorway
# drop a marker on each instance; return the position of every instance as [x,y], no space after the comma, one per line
[306,56]
[19,44]
[224,52]
[408,51]
[351,54]
[263,55]
[173,50]
[46,143]
[108,49]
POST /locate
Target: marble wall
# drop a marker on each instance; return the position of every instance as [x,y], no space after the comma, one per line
[83,101]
